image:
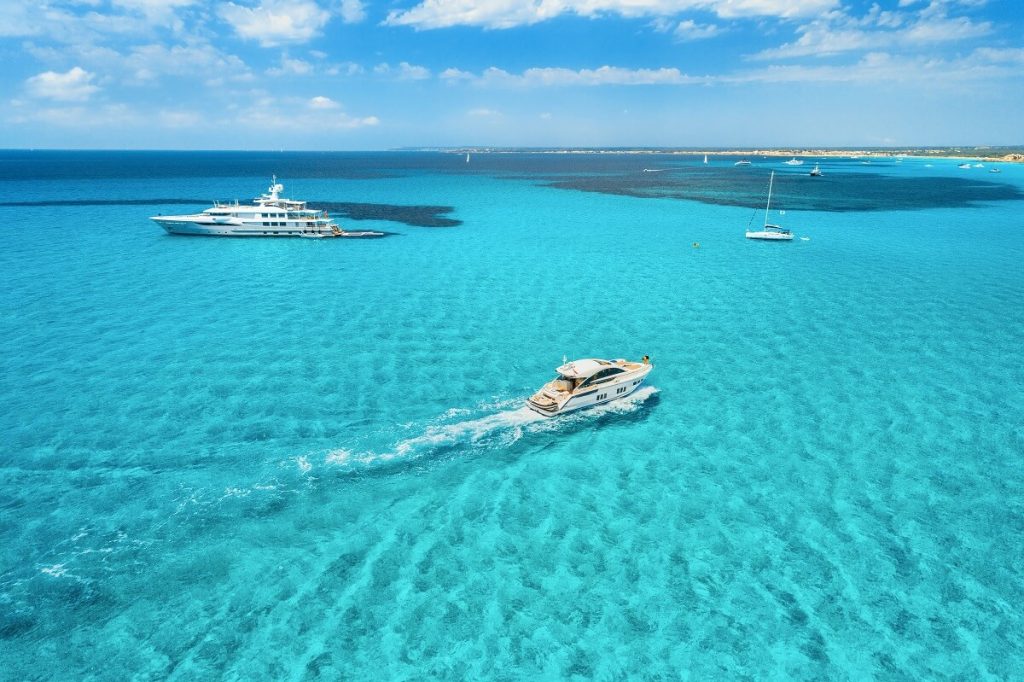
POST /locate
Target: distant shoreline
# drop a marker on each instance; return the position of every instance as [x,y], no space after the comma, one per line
[994,154]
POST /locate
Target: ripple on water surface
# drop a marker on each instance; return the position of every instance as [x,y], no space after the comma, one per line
[235,458]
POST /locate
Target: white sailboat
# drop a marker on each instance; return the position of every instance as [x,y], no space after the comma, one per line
[705,159]
[769,232]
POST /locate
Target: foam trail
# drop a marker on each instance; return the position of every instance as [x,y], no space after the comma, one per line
[499,429]
[472,430]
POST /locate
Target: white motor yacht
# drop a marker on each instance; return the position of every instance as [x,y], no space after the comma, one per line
[588,382]
[267,216]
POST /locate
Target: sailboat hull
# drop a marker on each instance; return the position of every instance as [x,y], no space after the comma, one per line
[771,236]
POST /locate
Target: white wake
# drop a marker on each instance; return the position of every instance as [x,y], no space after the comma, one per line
[496,430]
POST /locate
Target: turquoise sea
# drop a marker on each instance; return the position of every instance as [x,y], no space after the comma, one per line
[308,459]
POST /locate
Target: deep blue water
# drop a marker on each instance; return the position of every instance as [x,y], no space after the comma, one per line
[230,458]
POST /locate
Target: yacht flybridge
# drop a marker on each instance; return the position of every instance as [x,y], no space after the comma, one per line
[584,383]
[267,216]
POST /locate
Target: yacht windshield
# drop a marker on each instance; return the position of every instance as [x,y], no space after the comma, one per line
[598,377]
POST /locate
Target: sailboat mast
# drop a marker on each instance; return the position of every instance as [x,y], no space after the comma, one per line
[770,181]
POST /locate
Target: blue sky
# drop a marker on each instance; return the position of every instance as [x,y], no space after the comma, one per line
[354,74]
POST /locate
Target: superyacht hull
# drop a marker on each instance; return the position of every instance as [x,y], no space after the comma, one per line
[183,226]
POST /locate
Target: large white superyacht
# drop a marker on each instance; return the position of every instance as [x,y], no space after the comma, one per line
[268,215]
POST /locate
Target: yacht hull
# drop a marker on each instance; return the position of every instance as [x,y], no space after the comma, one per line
[616,389]
[771,236]
[181,225]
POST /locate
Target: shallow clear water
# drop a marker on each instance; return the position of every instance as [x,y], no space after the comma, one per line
[309,458]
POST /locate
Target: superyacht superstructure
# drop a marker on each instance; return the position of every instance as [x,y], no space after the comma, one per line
[268,215]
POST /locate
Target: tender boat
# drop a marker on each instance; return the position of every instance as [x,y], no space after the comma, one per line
[964,165]
[795,162]
[267,216]
[769,232]
[742,162]
[588,382]
[816,171]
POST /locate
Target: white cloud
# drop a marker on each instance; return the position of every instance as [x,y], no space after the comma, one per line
[161,13]
[290,67]
[352,11]
[562,77]
[483,112]
[343,69]
[74,23]
[21,18]
[145,64]
[782,9]
[922,72]
[266,111]
[689,30]
[148,62]
[152,6]
[606,75]
[942,29]
[983,64]
[276,23]
[994,55]
[73,86]
[108,116]
[269,119]
[404,71]
[321,102]
[455,75]
[430,14]
[837,32]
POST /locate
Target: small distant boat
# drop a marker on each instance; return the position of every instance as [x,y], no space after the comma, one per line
[654,170]
[815,172]
[705,159]
[979,165]
[742,162]
[467,157]
[964,165]
[795,162]
[588,382]
[994,170]
[770,232]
